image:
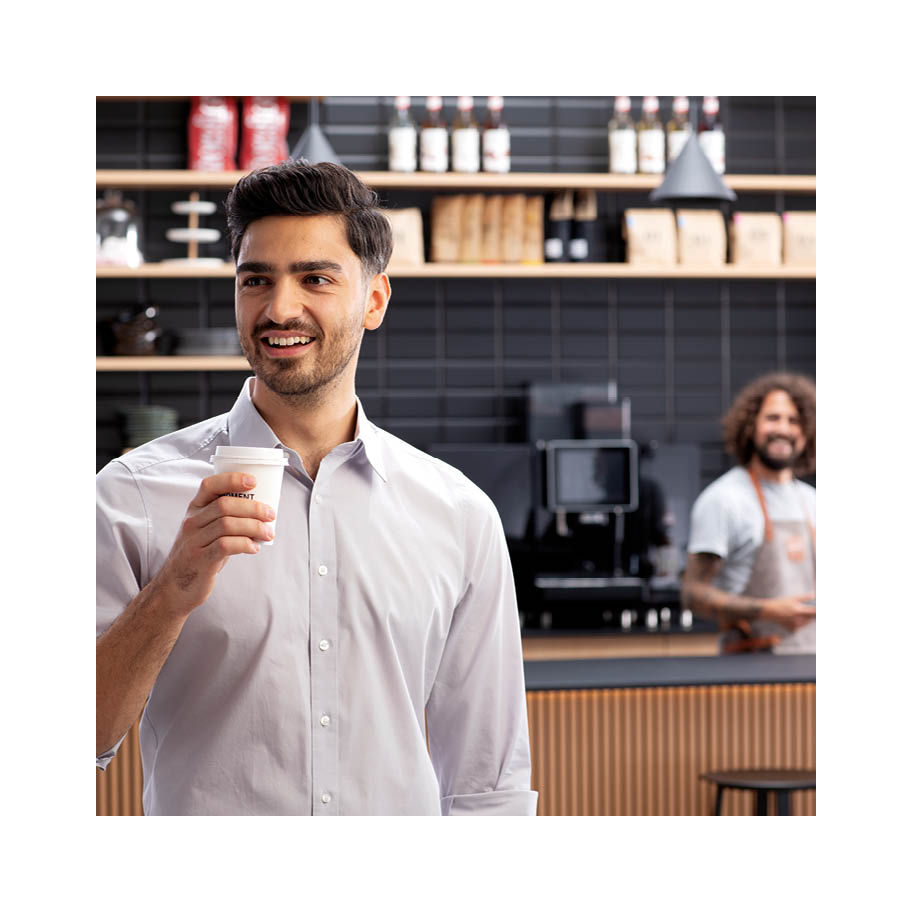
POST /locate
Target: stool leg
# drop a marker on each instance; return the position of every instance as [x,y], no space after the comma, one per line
[784,804]
[761,804]
[719,791]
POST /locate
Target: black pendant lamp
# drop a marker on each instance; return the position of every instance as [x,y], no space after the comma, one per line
[313,144]
[692,177]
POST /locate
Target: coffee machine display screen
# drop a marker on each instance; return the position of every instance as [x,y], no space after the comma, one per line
[592,475]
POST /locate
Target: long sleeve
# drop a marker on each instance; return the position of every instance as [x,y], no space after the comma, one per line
[120,531]
[478,731]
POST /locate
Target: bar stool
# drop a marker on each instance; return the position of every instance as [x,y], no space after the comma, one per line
[782,782]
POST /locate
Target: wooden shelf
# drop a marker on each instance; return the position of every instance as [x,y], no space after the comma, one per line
[173,363]
[516,180]
[501,271]
[187,97]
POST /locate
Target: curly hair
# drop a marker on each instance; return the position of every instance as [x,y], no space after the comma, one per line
[738,423]
[301,188]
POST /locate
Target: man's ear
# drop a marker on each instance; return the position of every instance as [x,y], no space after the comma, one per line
[378,295]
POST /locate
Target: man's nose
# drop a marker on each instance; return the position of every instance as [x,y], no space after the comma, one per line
[284,304]
[782,426]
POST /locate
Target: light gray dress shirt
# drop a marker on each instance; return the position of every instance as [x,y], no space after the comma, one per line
[302,684]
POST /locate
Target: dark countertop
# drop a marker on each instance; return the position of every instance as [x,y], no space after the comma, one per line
[669,672]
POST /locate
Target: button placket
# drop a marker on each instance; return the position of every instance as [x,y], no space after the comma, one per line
[324,696]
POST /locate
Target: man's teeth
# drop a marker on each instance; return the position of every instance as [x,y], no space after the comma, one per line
[288,340]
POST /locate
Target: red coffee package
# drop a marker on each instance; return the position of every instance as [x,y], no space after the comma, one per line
[264,131]
[212,133]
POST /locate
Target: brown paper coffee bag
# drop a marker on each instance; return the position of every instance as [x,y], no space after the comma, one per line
[491,227]
[799,238]
[651,236]
[446,228]
[701,237]
[513,228]
[470,239]
[756,238]
[408,236]
[533,251]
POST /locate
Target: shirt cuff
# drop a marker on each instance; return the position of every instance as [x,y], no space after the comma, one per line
[502,803]
[102,760]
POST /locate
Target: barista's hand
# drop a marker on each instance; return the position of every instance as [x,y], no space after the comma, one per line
[791,612]
[214,528]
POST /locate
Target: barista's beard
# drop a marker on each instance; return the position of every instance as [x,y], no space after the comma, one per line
[774,463]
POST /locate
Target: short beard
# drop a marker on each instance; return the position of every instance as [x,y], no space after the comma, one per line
[777,465]
[282,378]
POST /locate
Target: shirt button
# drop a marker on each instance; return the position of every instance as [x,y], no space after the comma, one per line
[324,645]
[326,798]
[319,498]
[322,570]
[324,721]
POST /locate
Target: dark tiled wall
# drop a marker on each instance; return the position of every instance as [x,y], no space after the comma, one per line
[451,359]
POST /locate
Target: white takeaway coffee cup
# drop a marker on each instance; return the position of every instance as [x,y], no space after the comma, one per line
[267,465]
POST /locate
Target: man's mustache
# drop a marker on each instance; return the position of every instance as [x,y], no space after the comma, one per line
[293,326]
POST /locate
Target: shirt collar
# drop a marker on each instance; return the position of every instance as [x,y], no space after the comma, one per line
[246,427]
[366,431]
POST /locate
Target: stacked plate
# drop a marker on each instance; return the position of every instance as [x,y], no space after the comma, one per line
[207,342]
[142,423]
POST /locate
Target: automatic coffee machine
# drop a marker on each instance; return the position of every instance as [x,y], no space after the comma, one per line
[584,513]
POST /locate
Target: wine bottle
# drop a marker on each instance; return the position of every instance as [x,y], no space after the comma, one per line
[678,129]
[622,157]
[403,137]
[650,138]
[557,227]
[465,139]
[495,139]
[711,133]
[584,212]
[433,139]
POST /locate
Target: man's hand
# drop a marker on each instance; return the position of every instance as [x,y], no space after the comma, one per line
[214,528]
[791,612]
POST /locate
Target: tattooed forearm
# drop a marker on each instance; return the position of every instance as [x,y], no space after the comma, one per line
[705,600]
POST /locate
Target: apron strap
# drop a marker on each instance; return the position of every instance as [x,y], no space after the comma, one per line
[768,526]
[768,534]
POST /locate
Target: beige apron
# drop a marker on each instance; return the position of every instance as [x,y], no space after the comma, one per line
[785,565]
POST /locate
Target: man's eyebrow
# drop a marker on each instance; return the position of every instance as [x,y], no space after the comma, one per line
[299,266]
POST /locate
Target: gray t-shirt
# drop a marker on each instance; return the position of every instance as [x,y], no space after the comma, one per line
[727,520]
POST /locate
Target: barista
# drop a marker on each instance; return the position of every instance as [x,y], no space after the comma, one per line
[751,564]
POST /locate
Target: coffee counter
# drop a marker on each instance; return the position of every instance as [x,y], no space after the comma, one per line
[632,734]
[672,671]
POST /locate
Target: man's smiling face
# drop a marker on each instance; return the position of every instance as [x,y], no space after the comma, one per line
[302,303]
[778,435]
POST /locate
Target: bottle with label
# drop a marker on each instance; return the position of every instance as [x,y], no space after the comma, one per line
[403,138]
[650,138]
[433,137]
[584,212]
[495,140]
[465,140]
[711,133]
[622,145]
[679,129]
[557,227]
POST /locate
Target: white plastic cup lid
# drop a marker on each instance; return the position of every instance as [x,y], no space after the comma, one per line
[263,455]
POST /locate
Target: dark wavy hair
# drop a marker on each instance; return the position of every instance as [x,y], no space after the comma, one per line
[738,423]
[301,188]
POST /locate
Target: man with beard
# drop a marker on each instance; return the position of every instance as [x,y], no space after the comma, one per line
[369,660]
[751,564]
